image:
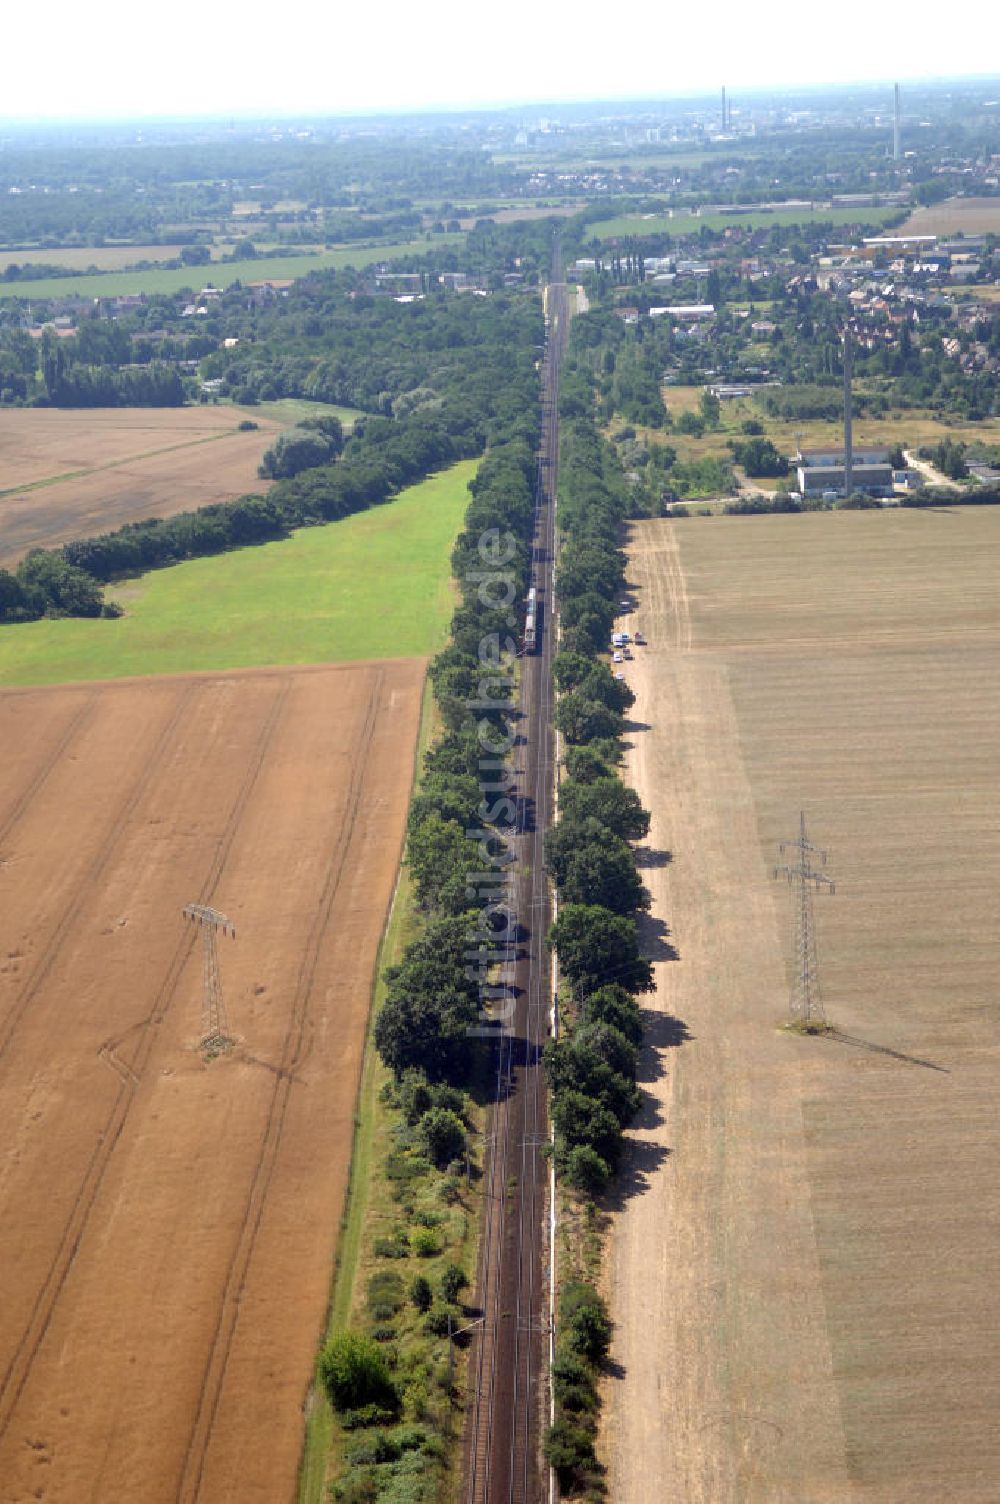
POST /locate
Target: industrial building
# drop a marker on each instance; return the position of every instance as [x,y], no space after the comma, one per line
[823,471]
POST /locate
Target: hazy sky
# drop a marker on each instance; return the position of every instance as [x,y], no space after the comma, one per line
[111,58]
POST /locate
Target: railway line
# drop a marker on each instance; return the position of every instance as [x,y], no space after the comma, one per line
[506,1407]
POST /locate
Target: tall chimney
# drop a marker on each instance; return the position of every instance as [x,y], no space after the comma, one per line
[896,152]
[848,439]
[724,120]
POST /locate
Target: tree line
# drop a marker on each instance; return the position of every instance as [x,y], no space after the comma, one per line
[387,1375]
[591,858]
[382,455]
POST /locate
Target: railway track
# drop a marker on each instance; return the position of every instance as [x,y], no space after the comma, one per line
[506,1405]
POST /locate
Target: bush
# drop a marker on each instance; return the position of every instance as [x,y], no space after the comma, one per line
[355,1373]
[421,1293]
[437,1319]
[378,1447]
[401,1166]
[585,1322]
[569,1450]
[385,1294]
[443,1135]
[572,1382]
[413,1095]
[586,1171]
[425,1243]
[453,1280]
[396,1246]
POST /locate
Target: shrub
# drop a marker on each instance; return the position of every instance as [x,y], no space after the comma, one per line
[437,1319]
[424,1218]
[443,1135]
[425,1243]
[585,1320]
[378,1447]
[413,1095]
[449,1097]
[573,1383]
[402,1166]
[355,1373]
[586,1171]
[396,1246]
[453,1280]
[357,1488]
[385,1294]
[569,1450]
[421,1293]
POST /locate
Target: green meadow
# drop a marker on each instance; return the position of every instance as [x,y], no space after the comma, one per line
[375,585]
[690,224]
[261,269]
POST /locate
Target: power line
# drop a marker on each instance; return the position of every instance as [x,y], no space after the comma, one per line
[214,1025]
[805,1003]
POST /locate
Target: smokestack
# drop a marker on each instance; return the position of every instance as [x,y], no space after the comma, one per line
[896,153]
[848,438]
[724,120]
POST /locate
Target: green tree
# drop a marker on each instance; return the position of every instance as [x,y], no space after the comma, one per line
[355,1373]
[582,719]
[610,802]
[710,408]
[596,947]
[442,1134]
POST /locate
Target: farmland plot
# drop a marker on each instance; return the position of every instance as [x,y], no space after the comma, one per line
[811,1224]
[71,474]
[170,1218]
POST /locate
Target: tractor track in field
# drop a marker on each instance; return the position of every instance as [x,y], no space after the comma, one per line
[19,1368]
[192,1474]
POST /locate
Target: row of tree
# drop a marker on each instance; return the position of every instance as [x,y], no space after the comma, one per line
[72,383]
[381,455]
[47,584]
[66,582]
[590,855]
[390,1382]
[433,999]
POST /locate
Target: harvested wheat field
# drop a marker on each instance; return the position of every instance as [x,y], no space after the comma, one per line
[71,474]
[954,216]
[811,1226]
[170,1219]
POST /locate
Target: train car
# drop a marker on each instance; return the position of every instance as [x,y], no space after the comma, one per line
[531,621]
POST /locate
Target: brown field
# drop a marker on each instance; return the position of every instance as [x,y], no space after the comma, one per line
[812,1226]
[170,1221]
[69,474]
[973,216]
[107,258]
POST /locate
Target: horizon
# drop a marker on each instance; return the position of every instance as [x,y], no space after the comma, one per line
[203,64]
[707,94]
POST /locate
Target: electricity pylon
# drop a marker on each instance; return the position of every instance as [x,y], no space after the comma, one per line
[805,1004]
[214,1027]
